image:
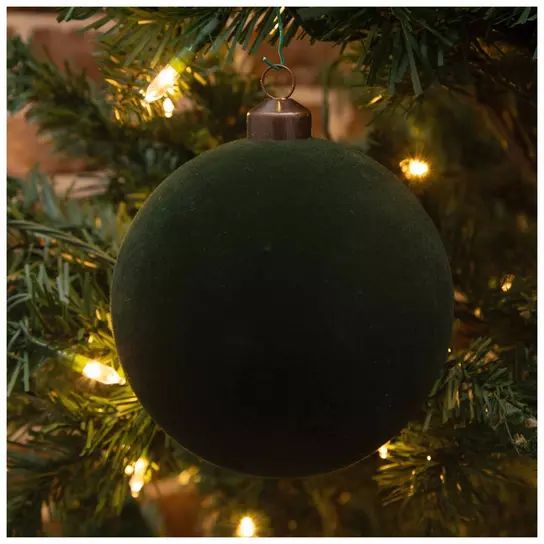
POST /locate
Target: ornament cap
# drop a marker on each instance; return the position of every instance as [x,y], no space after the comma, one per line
[279,117]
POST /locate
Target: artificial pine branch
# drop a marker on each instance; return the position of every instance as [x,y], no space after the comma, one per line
[396,43]
[138,153]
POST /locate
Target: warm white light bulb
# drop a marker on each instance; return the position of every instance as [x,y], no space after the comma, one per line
[164,81]
[246,527]
[383,451]
[418,168]
[137,475]
[99,372]
[507,281]
[168,107]
[414,168]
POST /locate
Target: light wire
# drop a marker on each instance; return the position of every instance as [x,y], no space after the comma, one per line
[281,42]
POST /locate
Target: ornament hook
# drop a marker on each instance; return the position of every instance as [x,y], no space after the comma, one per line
[278,67]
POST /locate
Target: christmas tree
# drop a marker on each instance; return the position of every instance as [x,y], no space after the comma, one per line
[450,95]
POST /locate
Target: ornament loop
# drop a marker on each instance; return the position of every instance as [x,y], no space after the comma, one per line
[278,67]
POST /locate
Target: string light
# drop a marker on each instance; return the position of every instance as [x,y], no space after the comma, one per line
[429,457]
[414,168]
[168,107]
[137,471]
[383,451]
[162,84]
[506,283]
[164,81]
[102,373]
[246,527]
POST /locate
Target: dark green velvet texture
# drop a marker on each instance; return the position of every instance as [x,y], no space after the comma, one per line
[282,308]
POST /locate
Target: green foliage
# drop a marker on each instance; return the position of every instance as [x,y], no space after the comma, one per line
[478,388]
[137,153]
[453,482]
[69,438]
[456,467]
[395,45]
[422,44]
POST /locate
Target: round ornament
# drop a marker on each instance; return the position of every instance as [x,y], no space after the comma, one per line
[282,307]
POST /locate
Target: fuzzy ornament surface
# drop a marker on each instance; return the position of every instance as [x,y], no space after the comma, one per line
[282,308]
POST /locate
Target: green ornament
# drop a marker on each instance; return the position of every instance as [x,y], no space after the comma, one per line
[282,308]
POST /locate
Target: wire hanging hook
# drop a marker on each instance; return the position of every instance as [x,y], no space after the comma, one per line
[281,64]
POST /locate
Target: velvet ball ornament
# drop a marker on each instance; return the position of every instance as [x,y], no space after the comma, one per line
[282,308]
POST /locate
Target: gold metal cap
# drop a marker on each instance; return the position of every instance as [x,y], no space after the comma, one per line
[279,117]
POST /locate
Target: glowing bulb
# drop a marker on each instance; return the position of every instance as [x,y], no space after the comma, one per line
[375,100]
[414,168]
[102,373]
[429,457]
[137,471]
[164,81]
[168,107]
[246,527]
[185,477]
[418,168]
[383,451]
[507,281]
